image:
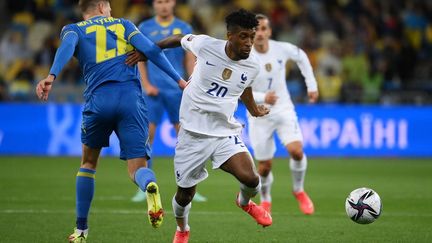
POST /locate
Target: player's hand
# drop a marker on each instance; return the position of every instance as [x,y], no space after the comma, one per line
[313,96]
[182,84]
[44,87]
[151,90]
[271,97]
[134,57]
[261,110]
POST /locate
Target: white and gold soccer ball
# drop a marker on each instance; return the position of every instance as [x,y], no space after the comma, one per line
[363,205]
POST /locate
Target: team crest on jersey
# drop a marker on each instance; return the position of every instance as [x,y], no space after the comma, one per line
[176,31]
[226,74]
[268,67]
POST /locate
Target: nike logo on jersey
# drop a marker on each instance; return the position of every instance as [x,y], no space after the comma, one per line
[210,64]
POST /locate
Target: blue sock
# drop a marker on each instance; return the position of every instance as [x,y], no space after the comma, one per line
[150,164]
[84,195]
[143,176]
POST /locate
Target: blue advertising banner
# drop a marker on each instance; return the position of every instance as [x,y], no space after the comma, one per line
[372,131]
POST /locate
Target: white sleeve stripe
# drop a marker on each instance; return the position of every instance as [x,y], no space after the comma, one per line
[69,32]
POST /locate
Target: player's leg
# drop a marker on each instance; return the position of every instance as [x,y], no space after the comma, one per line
[132,130]
[261,132]
[266,175]
[181,204]
[85,183]
[298,166]
[155,112]
[233,157]
[242,167]
[145,179]
[96,128]
[171,103]
[290,134]
[191,153]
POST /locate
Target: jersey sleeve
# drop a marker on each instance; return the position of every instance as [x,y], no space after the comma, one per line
[296,54]
[187,29]
[69,40]
[141,27]
[150,49]
[194,43]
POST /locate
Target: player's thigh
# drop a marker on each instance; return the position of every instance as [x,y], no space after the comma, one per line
[98,119]
[172,102]
[155,107]
[132,127]
[191,153]
[261,138]
[233,157]
[288,128]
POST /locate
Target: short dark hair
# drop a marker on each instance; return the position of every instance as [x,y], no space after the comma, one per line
[261,16]
[241,18]
[84,5]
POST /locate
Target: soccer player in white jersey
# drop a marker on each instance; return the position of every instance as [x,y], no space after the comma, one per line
[270,89]
[223,73]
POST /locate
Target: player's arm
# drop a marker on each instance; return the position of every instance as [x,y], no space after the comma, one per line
[302,61]
[269,97]
[169,42]
[145,82]
[152,52]
[63,54]
[189,62]
[254,109]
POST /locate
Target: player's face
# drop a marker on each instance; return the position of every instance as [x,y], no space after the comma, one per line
[241,42]
[105,8]
[263,32]
[164,8]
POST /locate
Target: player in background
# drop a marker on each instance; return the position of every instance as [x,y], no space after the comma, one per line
[113,101]
[270,89]
[162,94]
[223,73]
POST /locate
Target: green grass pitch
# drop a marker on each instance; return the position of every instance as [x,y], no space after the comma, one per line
[37,202]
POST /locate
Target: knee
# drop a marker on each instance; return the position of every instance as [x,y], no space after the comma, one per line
[296,153]
[264,167]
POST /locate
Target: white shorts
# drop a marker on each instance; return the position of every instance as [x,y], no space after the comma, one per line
[262,129]
[193,150]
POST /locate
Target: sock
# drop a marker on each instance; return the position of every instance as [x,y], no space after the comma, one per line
[84,195]
[246,193]
[266,184]
[298,171]
[181,213]
[150,164]
[143,176]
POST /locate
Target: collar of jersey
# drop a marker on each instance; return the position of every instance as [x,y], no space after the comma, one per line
[165,23]
[97,16]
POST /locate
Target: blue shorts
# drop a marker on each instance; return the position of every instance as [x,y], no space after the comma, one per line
[118,107]
[164,101]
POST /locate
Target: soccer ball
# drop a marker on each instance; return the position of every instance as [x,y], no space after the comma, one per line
[363,205]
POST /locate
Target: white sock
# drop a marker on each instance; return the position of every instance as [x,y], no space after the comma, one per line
[298,171]
[78,231]
[181,213]
[246,193]
[266,184]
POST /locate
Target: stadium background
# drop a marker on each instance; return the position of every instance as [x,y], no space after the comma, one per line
[373,63]
[363,53]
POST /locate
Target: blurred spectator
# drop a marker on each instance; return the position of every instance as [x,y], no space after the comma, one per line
[362,51]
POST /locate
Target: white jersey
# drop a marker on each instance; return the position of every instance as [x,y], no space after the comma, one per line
[272,74]
[217,82]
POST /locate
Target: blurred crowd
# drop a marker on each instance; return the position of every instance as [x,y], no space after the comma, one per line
[362,51]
